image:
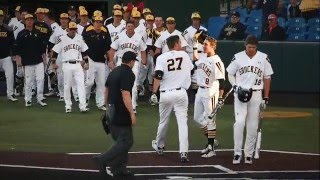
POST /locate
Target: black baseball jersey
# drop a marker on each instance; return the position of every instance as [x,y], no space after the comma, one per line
[6,41]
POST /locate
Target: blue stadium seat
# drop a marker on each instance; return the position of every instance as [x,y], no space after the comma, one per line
[296,30]
[296,22]
[314,30]
[296,37]
[254,30]
[256,13]
[282,22]
[313,37]
[254,21]
[214,30]
[216,20]
[314,22]
[243,12]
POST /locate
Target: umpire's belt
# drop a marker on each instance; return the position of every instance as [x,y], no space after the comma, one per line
[72,62]
[176,89]
[203,87]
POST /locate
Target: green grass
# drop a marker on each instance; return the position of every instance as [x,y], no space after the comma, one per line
[49,129]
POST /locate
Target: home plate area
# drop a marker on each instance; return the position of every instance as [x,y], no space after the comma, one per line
[148,165]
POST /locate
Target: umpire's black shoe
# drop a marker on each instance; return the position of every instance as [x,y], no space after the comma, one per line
[101,166]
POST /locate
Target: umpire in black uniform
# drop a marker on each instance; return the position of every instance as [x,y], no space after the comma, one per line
[120,117]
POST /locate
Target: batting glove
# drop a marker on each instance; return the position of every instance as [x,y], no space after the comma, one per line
[220,101]
[265,102]
[154,98]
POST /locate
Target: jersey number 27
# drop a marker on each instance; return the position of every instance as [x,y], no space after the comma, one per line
[174,64]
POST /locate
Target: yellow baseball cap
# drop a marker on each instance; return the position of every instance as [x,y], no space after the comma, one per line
[72,25]
[117,6]
[135,14]
[46,10]
[64,15]
[83,12]
[28,16]
[149,17]
[117,13]
[81,8]
[18,8]
[125,8]
[170,20]
[146,10]
[39,10]
[1,13]
[98,18]
[195,15]
[97,13]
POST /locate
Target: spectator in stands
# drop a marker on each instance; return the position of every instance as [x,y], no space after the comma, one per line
[268,7]
[274,32]
[249,6]
[293,9]
[281,10]
[233,30]
[309,8]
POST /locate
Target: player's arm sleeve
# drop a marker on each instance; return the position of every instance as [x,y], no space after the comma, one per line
[57,48]
[268,71]
[18,44]
[158,43]
[115,43]
[159,69]
[232,68]
[127,82]
[143,45]
[84,46]
[183,41]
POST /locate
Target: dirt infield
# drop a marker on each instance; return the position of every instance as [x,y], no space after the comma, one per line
[148,165]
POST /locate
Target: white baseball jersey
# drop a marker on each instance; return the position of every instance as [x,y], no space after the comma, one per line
[176,67]
[70,48]
[209,70]
[114,31]
[81,28]
[250,72]
[188,34]
[54,26]
[123,43]
[142,22]
[162,40]
[142,30]
[57,33]
[16,26]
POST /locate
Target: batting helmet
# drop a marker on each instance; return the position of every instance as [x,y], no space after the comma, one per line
[244,95]
[201,35]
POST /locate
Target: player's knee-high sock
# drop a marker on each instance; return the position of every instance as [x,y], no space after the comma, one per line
[205,131]
[211,136]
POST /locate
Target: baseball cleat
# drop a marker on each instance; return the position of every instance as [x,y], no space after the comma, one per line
[42,103]
[141,90]
[61,99]
[12,98]
[205,150]
[248,160]
[184,157]
[50,93]
[28,104]
[236,159]
[83,110]
[103,108]
[211,152]
[68,110]
[156,148]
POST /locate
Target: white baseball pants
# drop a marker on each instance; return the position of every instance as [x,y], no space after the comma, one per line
[73,72]
[61,81]
[176,100]
[246,114]
[147,71]
[96,73]
[7,65]
[34,73]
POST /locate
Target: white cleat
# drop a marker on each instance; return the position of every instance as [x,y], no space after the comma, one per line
[236,159]
[61,99]
[211,152]
[84,110]
[102,108]
[156,148]
[50,93]
[68,110]
[28,104]
[248,160]
[12,98]
[42,103]
[205,150]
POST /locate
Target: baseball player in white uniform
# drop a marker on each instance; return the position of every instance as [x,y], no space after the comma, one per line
[84,21]
[250,74]
[173,75]
[129,40]
[55,39]
[15,22]
[139,28]
[171,31]
[116,27]
[210,76]
[73,50]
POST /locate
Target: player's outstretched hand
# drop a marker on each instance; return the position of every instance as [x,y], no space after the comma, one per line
[264,102]
[154,99]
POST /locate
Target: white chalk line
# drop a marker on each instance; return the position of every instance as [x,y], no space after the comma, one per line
[218,150]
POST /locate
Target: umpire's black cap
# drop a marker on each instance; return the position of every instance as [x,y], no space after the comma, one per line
[129,56]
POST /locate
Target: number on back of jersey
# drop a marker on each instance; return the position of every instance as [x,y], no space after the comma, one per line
[174,64]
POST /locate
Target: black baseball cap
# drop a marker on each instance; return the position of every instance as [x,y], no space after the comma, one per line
[129,56]
[235,13]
